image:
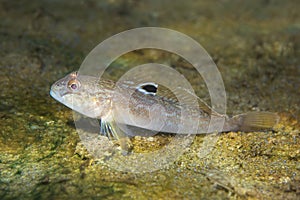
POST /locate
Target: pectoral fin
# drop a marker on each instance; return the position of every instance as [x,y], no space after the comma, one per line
[113,132]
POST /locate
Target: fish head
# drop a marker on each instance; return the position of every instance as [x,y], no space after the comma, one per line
[82,94]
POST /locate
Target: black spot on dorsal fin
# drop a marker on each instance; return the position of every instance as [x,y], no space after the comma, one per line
[148,88]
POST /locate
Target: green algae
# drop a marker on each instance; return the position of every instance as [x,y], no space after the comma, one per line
[256,47]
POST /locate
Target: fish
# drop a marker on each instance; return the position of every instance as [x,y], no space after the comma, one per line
[148,106]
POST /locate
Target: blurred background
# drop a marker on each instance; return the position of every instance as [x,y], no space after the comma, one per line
[255,45]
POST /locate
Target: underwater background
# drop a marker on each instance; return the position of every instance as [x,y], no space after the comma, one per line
[256,46]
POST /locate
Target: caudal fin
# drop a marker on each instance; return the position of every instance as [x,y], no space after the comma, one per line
[254,121]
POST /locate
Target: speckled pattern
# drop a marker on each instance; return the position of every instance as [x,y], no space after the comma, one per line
[255,44]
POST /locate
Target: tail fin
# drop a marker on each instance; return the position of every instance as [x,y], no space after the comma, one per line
[253,121]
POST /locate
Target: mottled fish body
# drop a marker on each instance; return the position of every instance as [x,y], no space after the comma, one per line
[148,106]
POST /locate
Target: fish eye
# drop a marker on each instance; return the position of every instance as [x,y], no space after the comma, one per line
[73,84]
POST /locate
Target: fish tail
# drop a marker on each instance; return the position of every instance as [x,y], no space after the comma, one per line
[253,121]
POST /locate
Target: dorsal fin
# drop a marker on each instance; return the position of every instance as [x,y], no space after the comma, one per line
[176,96]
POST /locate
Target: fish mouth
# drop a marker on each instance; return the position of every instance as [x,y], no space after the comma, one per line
[55,95]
